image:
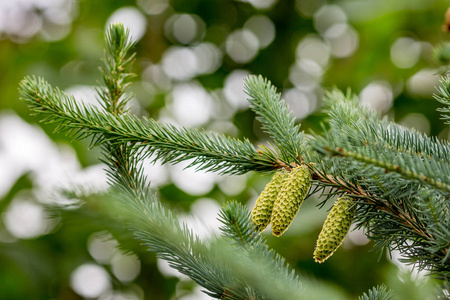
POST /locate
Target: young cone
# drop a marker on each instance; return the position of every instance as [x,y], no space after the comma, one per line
[262,211]
[291,196]
[335,228]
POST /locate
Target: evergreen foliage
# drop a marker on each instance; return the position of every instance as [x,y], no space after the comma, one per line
[276,119]
[210,151]
[399,178]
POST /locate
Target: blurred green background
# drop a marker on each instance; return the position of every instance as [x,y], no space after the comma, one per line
[191,59]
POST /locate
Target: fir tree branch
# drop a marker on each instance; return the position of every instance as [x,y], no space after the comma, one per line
[362,127]
[211,152]
[155,226]
[391,206]
[405,208]
[124,169]
[158,228]
[398,220]
[373,157]
[276,119]
[380,203]
[211,267]
[117,60]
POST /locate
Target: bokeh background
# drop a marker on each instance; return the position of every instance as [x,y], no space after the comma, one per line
[191,59]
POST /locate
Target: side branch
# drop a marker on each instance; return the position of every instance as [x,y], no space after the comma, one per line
[276,119]
[408,173]
[210,152]
[358,192]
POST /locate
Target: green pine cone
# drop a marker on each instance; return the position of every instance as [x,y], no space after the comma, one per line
[335,228]
[262,211]
[294,190]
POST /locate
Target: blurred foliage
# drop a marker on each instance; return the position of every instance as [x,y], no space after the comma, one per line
[41,267]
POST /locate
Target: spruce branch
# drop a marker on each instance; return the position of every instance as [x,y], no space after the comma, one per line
[399,178]
[375,158]
[388,167]
[212,267]
[115,78]
[210,151]
[372,204]
[275,117]
[363,127]
[152,224]
[124,171]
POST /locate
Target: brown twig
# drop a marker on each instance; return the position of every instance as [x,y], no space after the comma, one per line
[403,216]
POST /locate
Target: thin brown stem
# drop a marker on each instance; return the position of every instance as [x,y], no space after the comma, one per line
[404,217]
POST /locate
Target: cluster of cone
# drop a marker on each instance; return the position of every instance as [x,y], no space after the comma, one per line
[280,202]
